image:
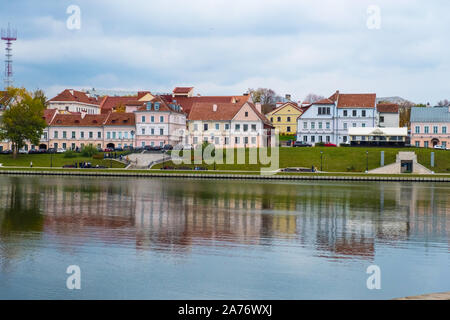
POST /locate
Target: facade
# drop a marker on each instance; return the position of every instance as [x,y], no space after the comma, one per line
[119,130]
[388,116]
[378,137]
[284,118]
[430,127]
[239,124]
[159,123]
[71,100]
[328,120]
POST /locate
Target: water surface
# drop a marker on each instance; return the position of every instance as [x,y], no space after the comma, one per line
[209,239]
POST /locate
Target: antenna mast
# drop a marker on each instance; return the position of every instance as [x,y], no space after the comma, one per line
[9,35]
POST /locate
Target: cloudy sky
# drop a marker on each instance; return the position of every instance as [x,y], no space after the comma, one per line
[226,47]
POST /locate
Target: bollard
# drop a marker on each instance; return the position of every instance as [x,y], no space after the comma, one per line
[382,159]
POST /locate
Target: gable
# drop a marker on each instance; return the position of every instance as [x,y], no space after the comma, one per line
[252,116]
[287,109]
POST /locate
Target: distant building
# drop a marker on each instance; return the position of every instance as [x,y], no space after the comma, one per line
[71,100]
[378,137]
[430,126]
[388,116]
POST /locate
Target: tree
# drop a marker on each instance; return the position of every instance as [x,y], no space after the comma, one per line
[23,119]
[404,113]
[312,97]
[267,97]
[120,108]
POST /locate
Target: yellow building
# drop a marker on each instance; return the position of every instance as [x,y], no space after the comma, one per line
[284,118]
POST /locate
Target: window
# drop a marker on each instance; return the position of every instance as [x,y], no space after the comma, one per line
[45,135]
[64,134]
[216,140]
[444,144]
[205,127]
[237,127]
[288,119]
[363,113]
[120,135]
[161,131]
[381,119]
[64,145]
[152,119]
[73,146]
[320,125]
[425,144]
[226,140]
[99,134]
[245,127]
[279,119]
[245,140]
[313,125]
[354,113]
[435,129]
[328,138]
[271,119]
[354,125]
[161,143]
[217,126]
[195,127]
[246,114]
[237,140]
[114,135]
[161,119]
[345,138]
[328,125]
[363,125]
[305,125]
[143,119]
[91,134]
[288,129]
[152,131]
[143,131]
[444,129]
[253,127]
[417,129]
[195,140]
[345,113]
[320,138]
[227,126]
[253,140]
[82,134]
[125,134]
[313,139]
[108,135]
[417,144]
[305,138]
[73,134]
[143,143]
[427,129]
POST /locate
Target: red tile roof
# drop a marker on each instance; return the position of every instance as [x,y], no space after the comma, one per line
[324,101]
[108,103]
[48,115]
[181,90]
[387,107]
[187,102]
[74,96]
[164,105]
[205,111]
[75,120]
[359,100]
[120,119]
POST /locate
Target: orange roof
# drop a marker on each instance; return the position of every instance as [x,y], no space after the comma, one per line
[356,100]
[205,111]
[187,102]
[74,96]
[324,101]
[109,103]
[163,106]
[387,107]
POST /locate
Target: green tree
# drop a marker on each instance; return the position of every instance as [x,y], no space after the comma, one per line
[23,119]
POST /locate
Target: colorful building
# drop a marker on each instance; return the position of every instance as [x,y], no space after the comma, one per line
[430,127]
[284,118]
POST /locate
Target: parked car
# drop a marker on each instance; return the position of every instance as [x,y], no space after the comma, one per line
[23,151]
[33,151]
[51,150]
[440,147]
[152,148]
[60,150]
[118,149]
[108,150]
[329,145]
[187,147]
[168,147]
[301,144]
[7,151]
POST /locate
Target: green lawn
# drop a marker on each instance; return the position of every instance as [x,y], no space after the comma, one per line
[44,160]
[343,159]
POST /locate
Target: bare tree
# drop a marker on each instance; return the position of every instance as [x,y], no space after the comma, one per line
[312,97]
[267,97]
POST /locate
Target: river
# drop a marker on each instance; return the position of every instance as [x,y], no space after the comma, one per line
[210,239]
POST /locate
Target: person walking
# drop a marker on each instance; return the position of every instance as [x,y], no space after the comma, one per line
[31,164]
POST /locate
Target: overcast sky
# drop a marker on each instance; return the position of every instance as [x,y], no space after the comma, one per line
[226,47]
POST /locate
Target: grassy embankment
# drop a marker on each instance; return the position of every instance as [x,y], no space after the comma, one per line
[45,160]
[343,159]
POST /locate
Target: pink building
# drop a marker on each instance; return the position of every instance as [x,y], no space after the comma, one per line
[159,122]
[430,127]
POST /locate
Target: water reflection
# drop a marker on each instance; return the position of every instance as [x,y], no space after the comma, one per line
[335,220]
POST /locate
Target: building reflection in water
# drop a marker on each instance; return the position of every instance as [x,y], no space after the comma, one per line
[336,220]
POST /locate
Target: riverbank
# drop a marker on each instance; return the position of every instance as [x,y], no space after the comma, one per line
[431,296]
[221,174]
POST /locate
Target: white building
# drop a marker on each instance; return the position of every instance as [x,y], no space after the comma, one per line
[328,120]
[74,101]
[388,116]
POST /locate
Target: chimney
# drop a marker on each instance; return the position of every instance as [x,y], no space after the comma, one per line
[258,107]
[214,107]
[288,97]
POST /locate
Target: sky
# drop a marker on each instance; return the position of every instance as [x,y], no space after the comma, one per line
[391,48]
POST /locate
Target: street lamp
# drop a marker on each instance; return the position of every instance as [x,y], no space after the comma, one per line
[132,137]
[367,161]
[321,162]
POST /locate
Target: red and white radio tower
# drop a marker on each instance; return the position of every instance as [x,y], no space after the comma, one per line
[9,35]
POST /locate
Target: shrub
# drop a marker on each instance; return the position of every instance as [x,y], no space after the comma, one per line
[319,144]
[89,151]
[70,154]
[351,168]
[98,156]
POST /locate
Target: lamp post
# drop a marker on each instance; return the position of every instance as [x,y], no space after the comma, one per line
[321,162]
[132,137]
[367,161]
